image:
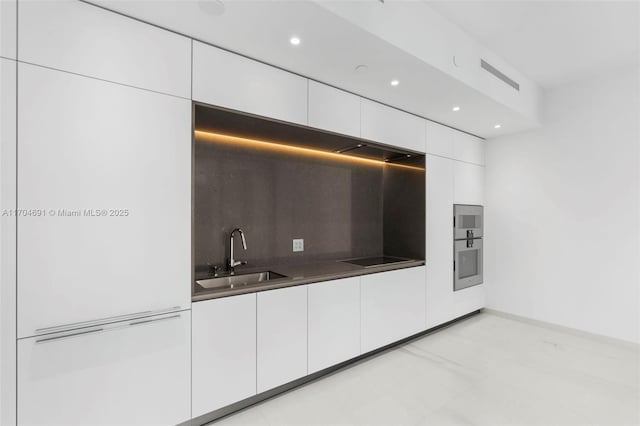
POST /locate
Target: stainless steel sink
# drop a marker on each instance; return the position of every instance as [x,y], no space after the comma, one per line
[235,281]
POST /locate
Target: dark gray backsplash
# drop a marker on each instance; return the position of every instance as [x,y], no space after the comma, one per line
[335,206]
[341,208]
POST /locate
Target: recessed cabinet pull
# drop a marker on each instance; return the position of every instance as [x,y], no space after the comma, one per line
[153,320]
[72,326]
[79,333]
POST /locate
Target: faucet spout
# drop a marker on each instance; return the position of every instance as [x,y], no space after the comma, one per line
[232,262]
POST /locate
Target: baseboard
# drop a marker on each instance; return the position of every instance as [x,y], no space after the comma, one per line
[570,330]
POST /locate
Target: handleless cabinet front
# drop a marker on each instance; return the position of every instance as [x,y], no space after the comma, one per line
[130,373]
[393,306]
[467,148]
[222,78]
[224,352]
[84,39]
[334,322]
[468,183]
[390,126]
[282,336]
[333,110]
[105,172]
[8,14]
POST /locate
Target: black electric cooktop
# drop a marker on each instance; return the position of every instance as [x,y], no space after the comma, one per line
[375,261]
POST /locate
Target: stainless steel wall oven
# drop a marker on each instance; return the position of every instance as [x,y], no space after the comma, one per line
[467,246]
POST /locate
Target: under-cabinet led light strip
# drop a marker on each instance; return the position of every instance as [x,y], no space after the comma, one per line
[219,137]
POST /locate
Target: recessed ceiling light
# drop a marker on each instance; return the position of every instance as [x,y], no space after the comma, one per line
[456,108]
[294,40]
[394,82]
[497,126]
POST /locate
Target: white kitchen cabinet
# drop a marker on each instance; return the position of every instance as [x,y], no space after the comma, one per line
[439,239]
[468,148]
[282,336]
[443,304]
[8,15]
[392,127]
[90,148]
[334,322]
[392,306]
[224,352]
[7,241]
[468,183]
[85,39]
[439,140]
[125,373]
[334,110]
[228,80]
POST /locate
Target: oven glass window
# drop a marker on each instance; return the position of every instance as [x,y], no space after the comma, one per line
[468,263]
[468,221]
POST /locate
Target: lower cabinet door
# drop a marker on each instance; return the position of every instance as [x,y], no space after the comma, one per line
[393,306]
[224,352]
[334,322]
[282,336]
[129,373]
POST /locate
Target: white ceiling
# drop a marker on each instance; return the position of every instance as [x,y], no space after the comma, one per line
[330,51]
[552,42]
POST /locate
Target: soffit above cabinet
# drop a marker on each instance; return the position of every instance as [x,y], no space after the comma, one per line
[261,30]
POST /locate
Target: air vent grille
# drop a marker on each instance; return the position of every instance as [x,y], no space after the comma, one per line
[491,69]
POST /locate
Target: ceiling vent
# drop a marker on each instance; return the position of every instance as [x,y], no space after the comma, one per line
[492,70]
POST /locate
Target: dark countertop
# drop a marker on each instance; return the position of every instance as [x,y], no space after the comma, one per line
[298,275]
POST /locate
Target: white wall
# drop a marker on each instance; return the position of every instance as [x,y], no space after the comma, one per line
[562,213]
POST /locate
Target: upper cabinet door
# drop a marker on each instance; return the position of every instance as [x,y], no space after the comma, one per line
[334,110]
[439,140]
[392,127]
[232,81]
[110,168]
[468,148]
[468,183]
[84,39]
[8,16]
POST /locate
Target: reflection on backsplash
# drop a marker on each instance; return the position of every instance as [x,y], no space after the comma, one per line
[336,207]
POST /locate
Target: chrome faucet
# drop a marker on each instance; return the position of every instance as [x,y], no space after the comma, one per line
[232,262]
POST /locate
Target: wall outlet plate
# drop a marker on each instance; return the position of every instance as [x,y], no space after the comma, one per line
[298,244]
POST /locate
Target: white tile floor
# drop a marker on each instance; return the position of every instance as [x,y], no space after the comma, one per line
[486,370]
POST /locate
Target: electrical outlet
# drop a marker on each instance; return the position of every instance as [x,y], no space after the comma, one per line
[298,244]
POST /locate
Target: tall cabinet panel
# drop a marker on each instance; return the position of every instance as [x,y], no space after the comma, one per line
[228,80]
[8,16]
[7,240]
[125,373]
[282,336]
[106,170]
[439,239]
[81,38]
[224,352]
